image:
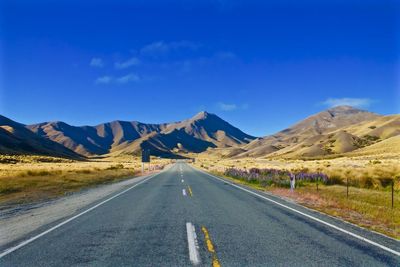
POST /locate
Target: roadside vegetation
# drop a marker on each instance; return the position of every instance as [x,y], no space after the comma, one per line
[27,179]
[368,202]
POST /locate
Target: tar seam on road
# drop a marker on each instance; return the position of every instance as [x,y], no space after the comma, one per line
[397,253]
[192,244]
[210,247]
[26,242]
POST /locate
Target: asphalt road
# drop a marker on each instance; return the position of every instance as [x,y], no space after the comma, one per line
[183,217]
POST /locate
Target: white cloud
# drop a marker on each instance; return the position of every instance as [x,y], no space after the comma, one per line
[347,101]
[97,62]
[128,63]
[132,77]
[161,47]
[104,79]
[156,47]
[226,106]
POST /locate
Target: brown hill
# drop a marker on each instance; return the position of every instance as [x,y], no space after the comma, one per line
[333,131]
[388,147]
[15,138]
[94,140]
[203,131]
[209,127]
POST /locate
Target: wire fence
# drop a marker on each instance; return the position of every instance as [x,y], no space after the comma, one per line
[290,179]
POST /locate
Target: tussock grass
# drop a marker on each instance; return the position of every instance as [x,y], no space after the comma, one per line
[362,172]
[30,178]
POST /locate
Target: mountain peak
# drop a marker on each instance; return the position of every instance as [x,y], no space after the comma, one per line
[202,115]
[347,110]
[344,108]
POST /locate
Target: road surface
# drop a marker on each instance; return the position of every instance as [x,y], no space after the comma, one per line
[185,217]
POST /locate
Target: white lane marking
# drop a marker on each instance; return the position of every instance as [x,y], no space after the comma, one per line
[194,255]
[26,242]
[182,180]
[184,192]
[397,253]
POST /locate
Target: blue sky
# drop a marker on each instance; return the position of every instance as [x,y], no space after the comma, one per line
[261,65]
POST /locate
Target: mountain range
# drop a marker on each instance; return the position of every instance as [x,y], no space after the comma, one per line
[337,130]
[197,134]
[16,138]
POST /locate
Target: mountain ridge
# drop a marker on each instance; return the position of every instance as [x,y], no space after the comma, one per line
[321,134]
[337,130]
[196,134]
[15,138]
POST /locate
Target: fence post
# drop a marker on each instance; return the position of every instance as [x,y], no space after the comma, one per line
[392,193]
[317,183]
[347,187]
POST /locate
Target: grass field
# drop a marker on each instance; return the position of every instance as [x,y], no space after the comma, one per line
[363,172]
[25,179]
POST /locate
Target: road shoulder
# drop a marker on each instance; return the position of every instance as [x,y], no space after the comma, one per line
[379,238]
[20,221]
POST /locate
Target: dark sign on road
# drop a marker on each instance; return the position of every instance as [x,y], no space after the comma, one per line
[145,155]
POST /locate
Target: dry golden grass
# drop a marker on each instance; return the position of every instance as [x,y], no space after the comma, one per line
[366,172]
[33,178]
[368,208]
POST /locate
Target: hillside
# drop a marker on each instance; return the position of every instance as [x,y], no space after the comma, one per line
[337,130]
[15,138]
[94,140]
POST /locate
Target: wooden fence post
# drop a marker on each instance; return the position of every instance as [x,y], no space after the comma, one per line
[392,193]
[347,187]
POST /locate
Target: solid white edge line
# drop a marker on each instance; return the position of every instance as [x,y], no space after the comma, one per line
[184,192]
[397,253]
[26,242]
[192,244]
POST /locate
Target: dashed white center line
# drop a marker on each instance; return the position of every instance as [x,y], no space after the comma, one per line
[193,245]
[184,192]
[182,180]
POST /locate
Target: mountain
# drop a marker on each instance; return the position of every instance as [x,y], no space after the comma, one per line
[94,140]
[197,134]
[15,138]
[336,131]
[333,131]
